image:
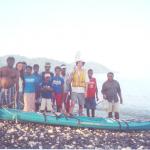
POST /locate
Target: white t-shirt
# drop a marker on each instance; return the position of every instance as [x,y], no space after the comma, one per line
[66,82]
[20,85]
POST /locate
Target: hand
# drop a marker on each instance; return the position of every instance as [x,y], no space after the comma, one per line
[104,96]
[97,98]
[121,101]
[85,95]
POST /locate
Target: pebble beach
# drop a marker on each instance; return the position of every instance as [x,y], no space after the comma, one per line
[38,136]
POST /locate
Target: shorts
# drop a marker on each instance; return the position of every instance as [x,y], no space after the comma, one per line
[78,97]
[113,106]
[7,96]
[46,104]
[90,103]
[58,98]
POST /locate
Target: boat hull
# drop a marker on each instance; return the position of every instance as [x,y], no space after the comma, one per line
[78,121]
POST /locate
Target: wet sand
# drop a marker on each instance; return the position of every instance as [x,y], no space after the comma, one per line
[31,135]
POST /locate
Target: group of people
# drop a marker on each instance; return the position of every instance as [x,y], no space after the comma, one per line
[23,85]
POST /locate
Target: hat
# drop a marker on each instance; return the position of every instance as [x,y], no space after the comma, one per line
[78,58]
[63,66]
[47,64]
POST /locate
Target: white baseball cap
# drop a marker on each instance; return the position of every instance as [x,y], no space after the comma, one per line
[63,66]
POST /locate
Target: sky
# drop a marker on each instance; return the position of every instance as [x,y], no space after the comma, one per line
[115,33]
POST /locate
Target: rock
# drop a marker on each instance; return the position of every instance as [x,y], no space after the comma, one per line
[20,138]
[11,130]
[29,135]
[12,141]
[127,148]
[50,131]
[140,148]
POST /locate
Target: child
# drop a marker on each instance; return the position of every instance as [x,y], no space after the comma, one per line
[58,87]
[91,92]
[46,93]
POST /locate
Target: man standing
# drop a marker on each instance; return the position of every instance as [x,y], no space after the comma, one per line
[79,81]
[47,71]
[29,90]
[111,90]
[67,88]
[38,81]
[9,78]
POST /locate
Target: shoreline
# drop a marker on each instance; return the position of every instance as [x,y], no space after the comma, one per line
[38,136]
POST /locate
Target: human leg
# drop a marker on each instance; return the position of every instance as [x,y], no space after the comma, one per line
[73,101]
[110,109]
[43,104]
[49,105]
[81,102]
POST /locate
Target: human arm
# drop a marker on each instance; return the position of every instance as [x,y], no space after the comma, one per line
[62,86]
[103,91]
[0,73]
[96,91]
[17,85]
[86,84]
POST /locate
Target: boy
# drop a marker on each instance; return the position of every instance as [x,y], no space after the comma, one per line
[46,93]
[58,87]
[91,92]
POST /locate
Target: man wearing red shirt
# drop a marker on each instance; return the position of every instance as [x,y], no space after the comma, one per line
[92,91]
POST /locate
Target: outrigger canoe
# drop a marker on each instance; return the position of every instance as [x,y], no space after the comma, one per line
[74,121]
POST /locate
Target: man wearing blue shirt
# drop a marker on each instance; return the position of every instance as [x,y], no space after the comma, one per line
[29,90]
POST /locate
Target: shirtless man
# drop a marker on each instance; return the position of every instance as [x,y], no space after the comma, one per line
[9,78]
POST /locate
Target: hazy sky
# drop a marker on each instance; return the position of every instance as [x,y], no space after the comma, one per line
[115,33]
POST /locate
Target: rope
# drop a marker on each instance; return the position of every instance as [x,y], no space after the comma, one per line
[119,124]
[72,116]
[14,116]
[126,124]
